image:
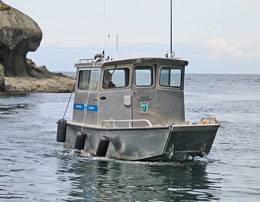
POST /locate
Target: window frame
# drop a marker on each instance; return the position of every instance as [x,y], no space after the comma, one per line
[78,77]
[171,67]
[115,68]
[151,67]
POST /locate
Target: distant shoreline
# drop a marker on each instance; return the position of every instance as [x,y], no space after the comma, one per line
[55,84]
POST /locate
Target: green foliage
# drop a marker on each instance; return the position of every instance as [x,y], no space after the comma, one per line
[2,73]
[4,7]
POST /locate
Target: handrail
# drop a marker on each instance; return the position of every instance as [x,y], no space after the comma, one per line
[130,121]
[86,60]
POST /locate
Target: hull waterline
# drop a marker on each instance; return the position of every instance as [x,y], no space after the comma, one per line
[174,143]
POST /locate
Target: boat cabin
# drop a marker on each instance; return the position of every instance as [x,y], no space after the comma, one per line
[136,92]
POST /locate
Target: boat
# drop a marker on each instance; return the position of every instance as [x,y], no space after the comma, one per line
[133,109]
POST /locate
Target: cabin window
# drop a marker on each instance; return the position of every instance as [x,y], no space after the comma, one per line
[88,80]
[170,77]
[144,76]
[115,78]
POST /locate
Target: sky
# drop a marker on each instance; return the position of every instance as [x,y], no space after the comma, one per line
[215,36]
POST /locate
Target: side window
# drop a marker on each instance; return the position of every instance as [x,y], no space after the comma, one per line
[143,76]
[88,80]
[170,77]
[116,78]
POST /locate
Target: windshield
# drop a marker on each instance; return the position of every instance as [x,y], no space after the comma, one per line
[116,78]
[170,77]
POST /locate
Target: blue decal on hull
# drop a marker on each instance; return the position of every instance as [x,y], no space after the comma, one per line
[93,108]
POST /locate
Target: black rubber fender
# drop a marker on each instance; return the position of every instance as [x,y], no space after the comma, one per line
[102,147]
[61,130]
[80,140]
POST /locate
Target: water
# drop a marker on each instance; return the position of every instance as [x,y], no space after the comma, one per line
[33,167]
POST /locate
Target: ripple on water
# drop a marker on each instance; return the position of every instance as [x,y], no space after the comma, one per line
[35,168]
[8,107]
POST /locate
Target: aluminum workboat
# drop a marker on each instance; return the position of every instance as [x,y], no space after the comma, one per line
[133,109]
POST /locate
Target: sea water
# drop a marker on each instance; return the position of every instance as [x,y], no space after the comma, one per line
[33,167]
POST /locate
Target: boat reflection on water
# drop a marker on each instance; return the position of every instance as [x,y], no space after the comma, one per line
[112,180]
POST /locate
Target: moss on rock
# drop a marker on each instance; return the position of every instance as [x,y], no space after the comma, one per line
[4,7]
[2,72]
[2,78]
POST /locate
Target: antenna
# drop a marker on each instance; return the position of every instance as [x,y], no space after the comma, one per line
[108,46]
[171,28]
[104,31]
[117,45]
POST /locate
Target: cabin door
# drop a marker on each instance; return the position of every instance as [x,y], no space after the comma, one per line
[115,102]
[85,100]
[144,99]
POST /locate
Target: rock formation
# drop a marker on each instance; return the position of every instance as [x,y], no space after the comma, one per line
[54,84]
[20,34]
[2,78]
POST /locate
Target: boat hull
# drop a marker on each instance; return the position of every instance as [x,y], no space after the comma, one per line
[174,143]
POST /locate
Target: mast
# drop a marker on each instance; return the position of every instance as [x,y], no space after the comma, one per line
[117,45]
[171,53]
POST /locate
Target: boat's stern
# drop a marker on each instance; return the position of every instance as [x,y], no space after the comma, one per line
[187,141]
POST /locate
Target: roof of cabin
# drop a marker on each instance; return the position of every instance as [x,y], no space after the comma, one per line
[144,60]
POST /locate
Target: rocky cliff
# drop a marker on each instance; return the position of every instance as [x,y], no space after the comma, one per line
[19,34]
